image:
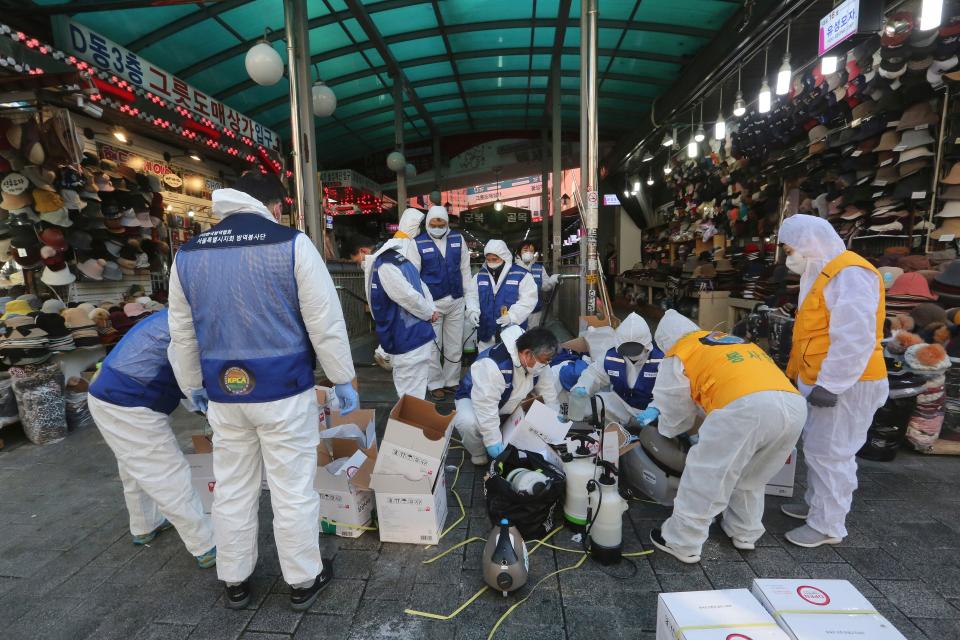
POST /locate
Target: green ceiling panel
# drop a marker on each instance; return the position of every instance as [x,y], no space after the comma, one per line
[361,85]
[411,49]
[443,105]
[665,43]
[539,82]
[442,89]
[705,14]
[548,8]
[249,19]
[327,37]
[634,88]
[186,46]
[342,65]
[463,12]
[412,18]
[126,26]
[355,30]
[426,71]
[453,117]
[220,76]
[362,122]
[257,95]
[494,63]
[491,84]
[507,99]
[633,66]
[362,106]
[281,114]
[489,39]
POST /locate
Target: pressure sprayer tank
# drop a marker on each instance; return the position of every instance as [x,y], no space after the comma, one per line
[505,562]
[606,512]
[579,467]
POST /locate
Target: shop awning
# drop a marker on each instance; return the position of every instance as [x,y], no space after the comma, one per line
[471,66]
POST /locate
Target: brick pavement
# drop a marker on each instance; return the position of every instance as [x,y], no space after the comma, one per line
[68,569]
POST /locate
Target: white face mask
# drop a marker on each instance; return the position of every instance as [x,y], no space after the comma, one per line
[437,232]
[494,265]
[537,369]
[527,256]
[796,263]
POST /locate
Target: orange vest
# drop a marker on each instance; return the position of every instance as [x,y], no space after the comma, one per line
[811,332]
[723,368]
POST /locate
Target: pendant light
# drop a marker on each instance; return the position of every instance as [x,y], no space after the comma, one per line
[701,135]
[647,156]
[931,13]
[667,169]
[692,146]
[323,98]
[498,205]
[263,63]
[667,139]
[739,106]
[720,129]
[636,185]
[650,179]
[783,75]
[763,100]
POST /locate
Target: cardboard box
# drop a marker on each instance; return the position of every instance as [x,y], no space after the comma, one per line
[533,427]
[201,476]
[594,321]
[814,609]
[415,441]
[346,501]
[782,483]
[410,511]
[204,444]
[730,614]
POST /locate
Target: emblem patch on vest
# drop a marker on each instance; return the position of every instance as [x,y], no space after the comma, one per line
[720,338]
[237,381]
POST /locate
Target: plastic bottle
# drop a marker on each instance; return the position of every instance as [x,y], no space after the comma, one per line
[578,406]
[579,467]
[606,508]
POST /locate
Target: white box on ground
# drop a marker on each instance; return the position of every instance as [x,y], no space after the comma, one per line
[782,483]
[534,427]
[729,614]
[201,476]
[410,511]
[814,609]
[344,467]
[415,441]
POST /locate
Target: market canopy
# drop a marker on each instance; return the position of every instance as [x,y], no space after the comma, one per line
[470,66]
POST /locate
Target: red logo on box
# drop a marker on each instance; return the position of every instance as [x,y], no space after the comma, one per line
[738,636]
[813,595]
[210,486]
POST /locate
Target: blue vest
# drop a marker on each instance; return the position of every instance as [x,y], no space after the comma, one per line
[137,372]
[441,273]
[641,393]
[537,270]
[500,355]
[240,282]
[399,330]
[492,305]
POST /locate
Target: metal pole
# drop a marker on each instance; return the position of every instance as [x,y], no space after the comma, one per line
[544,196]
[436,164]
[398,142]
[556,207]
[941,133]
[589,141]
[305,169]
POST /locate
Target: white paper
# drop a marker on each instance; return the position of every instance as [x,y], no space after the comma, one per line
[545,422]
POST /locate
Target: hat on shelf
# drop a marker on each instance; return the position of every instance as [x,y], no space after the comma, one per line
[57,277]
[890,275]
[92,269]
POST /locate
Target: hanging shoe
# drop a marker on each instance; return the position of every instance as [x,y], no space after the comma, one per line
[147,538]
[208,559]
[303,599]
[808,537]
[798,510]
[238,596]
[656,537]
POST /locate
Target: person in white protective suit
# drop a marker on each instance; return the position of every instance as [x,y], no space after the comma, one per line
[498,381]
[402,307]
[837,361]
[445,269]
[753,420]
[545,282]
[628,370]
[503,294]
[252,308]
[131,400]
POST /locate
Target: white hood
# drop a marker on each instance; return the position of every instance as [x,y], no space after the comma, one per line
[410,227]
[814,239]
[499,247]
[634,329]
[229,201]
[436,212]
[672,327]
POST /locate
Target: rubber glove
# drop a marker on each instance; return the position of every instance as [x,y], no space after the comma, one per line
[504,321]
[579,391]
[347,395]
[473,317]
[647,416]
[200,399]
[495,450]
[820,397]
[554,279]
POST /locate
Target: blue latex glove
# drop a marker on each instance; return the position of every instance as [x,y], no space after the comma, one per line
[647,416]
[200,400]
[347,395]
[495,450]
[579,391]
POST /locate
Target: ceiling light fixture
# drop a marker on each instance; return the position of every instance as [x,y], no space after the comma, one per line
[700,135]
[739,106]
[828,65]
[121,135]
[931,13]
[763,100]
[720,129]
[783,75]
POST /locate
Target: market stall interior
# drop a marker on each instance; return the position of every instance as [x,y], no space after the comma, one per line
[599,265]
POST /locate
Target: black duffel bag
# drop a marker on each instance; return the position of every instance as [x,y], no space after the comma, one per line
[533,515]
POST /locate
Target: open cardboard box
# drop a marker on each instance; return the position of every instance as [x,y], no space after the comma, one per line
[410,511]
[201,477]
[346,500]
[415,441]
[594,321]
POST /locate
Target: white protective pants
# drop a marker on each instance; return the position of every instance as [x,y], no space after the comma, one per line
[155,475]
[411,371]
[282,435]
[741,447]
[465,421]
[831,438]
[449,331]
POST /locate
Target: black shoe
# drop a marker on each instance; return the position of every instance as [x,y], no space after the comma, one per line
[302,599]
[239,596]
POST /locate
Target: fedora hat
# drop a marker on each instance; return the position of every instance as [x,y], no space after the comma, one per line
[951,209]
[111,271]
[91,268]
[916,115]
[949,227]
